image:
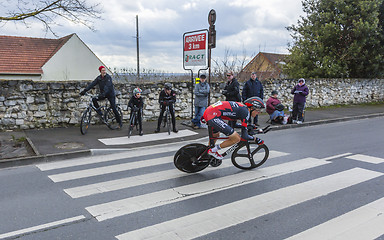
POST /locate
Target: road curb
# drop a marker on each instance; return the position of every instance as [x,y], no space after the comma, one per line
[22,161]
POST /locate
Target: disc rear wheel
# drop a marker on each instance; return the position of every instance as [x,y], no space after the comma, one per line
[192,158]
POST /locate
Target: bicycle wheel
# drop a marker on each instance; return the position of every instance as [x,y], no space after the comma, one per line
[85,120]
[131,124]
[110,117]
[185,158]
[168,122]
[258,155]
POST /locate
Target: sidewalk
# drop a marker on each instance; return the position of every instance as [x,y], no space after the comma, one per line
[64,143]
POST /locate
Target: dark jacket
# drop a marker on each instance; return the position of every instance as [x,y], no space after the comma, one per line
[252,88]
[231,91]
[165,99]
[106,87]
[300,93]
[136,102]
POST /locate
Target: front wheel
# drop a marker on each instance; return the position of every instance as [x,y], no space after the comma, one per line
[250,156]
[131,124]
[110,117]
[187,158]
[85,121]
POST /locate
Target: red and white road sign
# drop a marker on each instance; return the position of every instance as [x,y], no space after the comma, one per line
[196,49]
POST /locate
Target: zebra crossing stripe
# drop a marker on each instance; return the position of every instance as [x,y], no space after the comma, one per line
[134,204]
[215,219]
[147,138]
[365,158]
[61,177]
[42,227]
[365,222]
[103,158]
[113,185]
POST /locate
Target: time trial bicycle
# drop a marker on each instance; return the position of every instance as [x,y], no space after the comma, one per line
[245,154]
[108,116]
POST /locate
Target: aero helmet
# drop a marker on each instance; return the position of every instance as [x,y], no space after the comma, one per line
[255,102]
[136,91]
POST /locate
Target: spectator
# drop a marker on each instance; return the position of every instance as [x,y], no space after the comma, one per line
[253,88]
[300,92]
[275,109]
[106,90]
[201,101]
[231,89]
[136,104]
[167,98]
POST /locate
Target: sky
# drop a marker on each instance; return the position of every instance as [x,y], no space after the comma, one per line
[243,27]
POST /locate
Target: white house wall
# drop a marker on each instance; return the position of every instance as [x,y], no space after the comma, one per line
[73,61]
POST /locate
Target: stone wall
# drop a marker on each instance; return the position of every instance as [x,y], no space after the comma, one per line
[28,105]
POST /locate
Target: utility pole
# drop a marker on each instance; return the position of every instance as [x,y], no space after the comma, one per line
[137,46]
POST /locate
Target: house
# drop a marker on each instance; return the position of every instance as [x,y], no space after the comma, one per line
[41,59]
[267,66]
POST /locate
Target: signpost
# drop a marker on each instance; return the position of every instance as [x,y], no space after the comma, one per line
[197,50]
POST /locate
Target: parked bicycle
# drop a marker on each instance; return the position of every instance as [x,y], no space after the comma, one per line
[108,117]
[133,121]
[245,154]
[167,119]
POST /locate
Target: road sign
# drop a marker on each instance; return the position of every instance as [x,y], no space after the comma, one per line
[195,49]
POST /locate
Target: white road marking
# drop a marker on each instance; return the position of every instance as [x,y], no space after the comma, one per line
[61,177]
[336,156]
[365,158]
[107,158]
[215,219]
[41,227]
[138,203]
[147,137]
[102,187]
[362,223]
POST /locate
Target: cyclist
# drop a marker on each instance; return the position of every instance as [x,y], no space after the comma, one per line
[106,90]
[136,104]
[167,98]
[232,111]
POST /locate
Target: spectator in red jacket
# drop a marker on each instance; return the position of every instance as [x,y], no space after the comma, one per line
[274,108]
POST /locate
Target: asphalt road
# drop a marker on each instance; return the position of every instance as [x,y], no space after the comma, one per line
[324,179]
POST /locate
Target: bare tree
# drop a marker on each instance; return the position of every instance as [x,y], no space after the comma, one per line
[230,62]
[46,11]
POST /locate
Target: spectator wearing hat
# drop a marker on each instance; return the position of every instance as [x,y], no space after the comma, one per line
[201,100]
[274,108]
[300,92]
[253,88]
[167,97]
[106,90]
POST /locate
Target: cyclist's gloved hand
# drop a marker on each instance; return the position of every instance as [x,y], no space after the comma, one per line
[258,141]
[82,93]
[250,130]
